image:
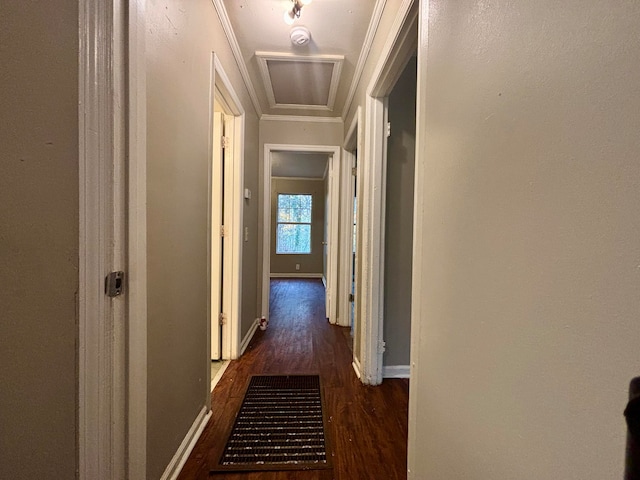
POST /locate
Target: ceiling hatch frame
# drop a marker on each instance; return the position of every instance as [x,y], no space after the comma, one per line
[334,60]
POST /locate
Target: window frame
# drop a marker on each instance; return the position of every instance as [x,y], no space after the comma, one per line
[278,223]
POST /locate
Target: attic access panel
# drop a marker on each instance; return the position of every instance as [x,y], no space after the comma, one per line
[300,82]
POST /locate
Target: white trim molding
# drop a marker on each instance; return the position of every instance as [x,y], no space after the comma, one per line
[137,245]
[396,371]
[299,118]
[398,48]
[237,54]
[419,245]
[356,367]
[184,450]
[102,120]
[296,275]
[334,153]
[364,54]
[247,338]
[234,197]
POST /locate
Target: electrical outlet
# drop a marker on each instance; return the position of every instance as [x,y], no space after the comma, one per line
[297,266]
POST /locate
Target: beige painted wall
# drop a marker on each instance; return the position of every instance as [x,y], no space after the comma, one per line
[528,333]
[180,38]
[398,255]
[38,239]
[308,263]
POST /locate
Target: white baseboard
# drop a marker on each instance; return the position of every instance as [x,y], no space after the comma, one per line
[396,371]
[177,462]
[247,338]
[295,275]
[356,367]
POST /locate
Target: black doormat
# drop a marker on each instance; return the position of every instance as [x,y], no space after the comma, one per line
[280,426]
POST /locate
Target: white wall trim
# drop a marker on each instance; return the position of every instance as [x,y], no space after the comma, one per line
[334,152]
[373,221]
[296,275]
[419,245]
[356,367]
[247,338]
[396,52]
[184,450]
[303,179]
[101,161]
[396,371]
[237,54]
[234,197]
[137,246]
[352,140]
[299,118]
[364,54]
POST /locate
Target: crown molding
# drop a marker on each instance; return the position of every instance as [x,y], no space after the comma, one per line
[235,48]
[293,118]
[364,53]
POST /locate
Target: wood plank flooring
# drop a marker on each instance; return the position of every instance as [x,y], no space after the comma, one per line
[367,425]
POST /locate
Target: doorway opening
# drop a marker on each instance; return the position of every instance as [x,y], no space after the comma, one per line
[350,285]
[225,223]
[399,49]
[300,233]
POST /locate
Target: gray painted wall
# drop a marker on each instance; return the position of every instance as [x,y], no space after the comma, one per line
[398,256]
[528,334]
[308,263]
[38,239]
[180,38]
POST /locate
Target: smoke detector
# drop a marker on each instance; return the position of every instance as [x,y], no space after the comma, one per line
[300,36]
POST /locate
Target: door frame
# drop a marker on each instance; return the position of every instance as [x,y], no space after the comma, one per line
[400,44]
[353,141]
[221,86]
[332,219]
[111,161]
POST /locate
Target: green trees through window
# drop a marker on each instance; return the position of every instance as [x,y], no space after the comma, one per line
[293,229]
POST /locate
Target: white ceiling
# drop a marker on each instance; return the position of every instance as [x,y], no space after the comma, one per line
[298,164]
[338,28]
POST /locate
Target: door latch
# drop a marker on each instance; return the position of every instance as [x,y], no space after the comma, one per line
[114,284]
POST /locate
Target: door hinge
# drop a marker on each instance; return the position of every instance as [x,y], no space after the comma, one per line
[388,129]
[382,346]
[351,298]
[222,318]
[114,284]
[354,171]
[222,231]
[225,142]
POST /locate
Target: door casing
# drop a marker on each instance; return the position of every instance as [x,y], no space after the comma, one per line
[332,221]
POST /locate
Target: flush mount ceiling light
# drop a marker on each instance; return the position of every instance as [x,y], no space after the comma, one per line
[294,12]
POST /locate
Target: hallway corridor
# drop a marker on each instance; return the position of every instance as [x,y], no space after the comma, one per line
[367,425]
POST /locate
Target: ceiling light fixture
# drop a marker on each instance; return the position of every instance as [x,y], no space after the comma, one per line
[291,15]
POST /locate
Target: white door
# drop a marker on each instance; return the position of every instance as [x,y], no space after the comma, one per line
[217,234]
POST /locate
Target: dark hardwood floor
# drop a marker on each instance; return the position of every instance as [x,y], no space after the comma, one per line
[367,425]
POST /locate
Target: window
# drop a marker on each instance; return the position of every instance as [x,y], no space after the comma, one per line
[293,229]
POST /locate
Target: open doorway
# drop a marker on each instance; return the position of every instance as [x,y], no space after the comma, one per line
[350,238]
[300,237]
[397,53]
[225,223]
